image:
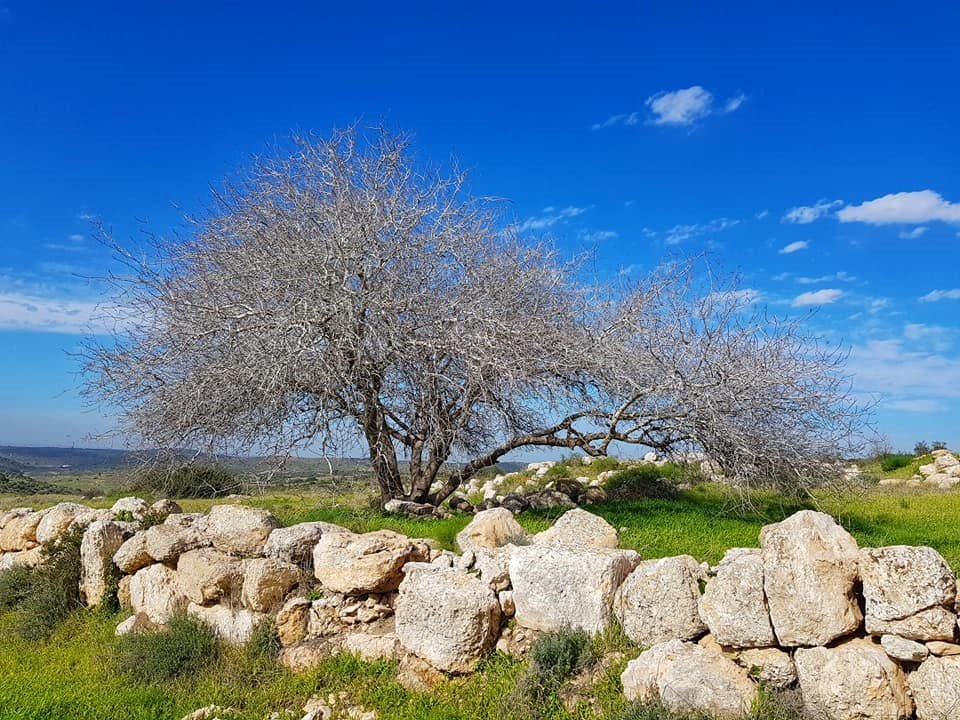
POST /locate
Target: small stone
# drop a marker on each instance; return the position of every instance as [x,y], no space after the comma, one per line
[902,649]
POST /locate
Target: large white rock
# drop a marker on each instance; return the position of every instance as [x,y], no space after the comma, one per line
[907,587]
[936,688]
[132,555]
[771,666]
[232,625]
[689,678]
[809,577]
[266,582]
[20,530]
[295,544]
[658,601]
[936,623]
[240,530]
[206,575]
[353,564]
[491,529]
[167,542]
[493,565]
[100,541]
[733,604]
[557,586]
[59,518]
[21,558]
[581,529]
[136,507]
[155,592]
[855,680]
[446,616]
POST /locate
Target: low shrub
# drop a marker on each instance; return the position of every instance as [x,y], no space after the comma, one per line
[264,645]
[642,481]
[557,655]
[603,464]
[185,646]
[560,470]
[15,585]
[204,480]
[889,463]
[51,591]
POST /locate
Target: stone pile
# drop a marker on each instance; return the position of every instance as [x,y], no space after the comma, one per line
[865,633]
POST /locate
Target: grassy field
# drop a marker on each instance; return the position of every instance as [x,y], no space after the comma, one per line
[72,675]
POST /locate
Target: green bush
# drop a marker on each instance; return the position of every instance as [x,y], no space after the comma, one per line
[560,470]
[557,655]
[889,463]
[603,464]
[264,645]
[15,585]
[184,647]
[52,591]
[642,481]
[207,480]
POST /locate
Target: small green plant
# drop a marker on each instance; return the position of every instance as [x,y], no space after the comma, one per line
[640,481]
[889,463]
[184,647]
[124,516]
[264,646]
[603,464]
[557,655]
[560,470]
[52,591]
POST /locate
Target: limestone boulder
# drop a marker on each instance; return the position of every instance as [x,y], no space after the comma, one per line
[155,592]
[687,678]
[938,647]
[100,542]
[58,519]
[207,575]
[771,666]
[291,621]
[658,601]
[907,587]
[446,617]
[21,558]
[135,507]
[809,578]
[266,582]
[493,565]
[936,688]
[855,680]
[295,544]
[581,529]
[355,564]
[20,530]
[234,626]
[733,604]
[936,623]
[557,586]
[132,555]
[240,530]
[902,649]
[371,647]
[164,508]
[490,529]
[167,542]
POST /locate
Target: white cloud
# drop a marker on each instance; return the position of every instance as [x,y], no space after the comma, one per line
[937,295]
[912,234]
[841,276]
[817,297]
[599,235]
[680,107]
[25,312]
[733,104]
[794,247]
[550,217]
[918,405]
[886,366]
[679,233]
[904,207]
[626,119]
[77,238]
[805,214]
[762,214]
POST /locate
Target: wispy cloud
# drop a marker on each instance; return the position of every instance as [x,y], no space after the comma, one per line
[678,233]
[599,235]
[550,217]
[937,295]
[904,371]
[762,214]
[918,405]
[912,234]
[841,276]
[817,297]
[794,247]
[25,312]
[805,214]
[626,119]
[922,206]
[683,107]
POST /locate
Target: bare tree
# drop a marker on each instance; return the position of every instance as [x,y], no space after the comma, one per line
[342,292]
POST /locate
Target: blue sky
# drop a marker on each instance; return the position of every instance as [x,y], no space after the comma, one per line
[813,150]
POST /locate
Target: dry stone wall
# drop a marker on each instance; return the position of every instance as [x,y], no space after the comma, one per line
[864,633]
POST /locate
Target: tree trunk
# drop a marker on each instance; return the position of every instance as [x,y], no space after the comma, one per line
[383,456]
